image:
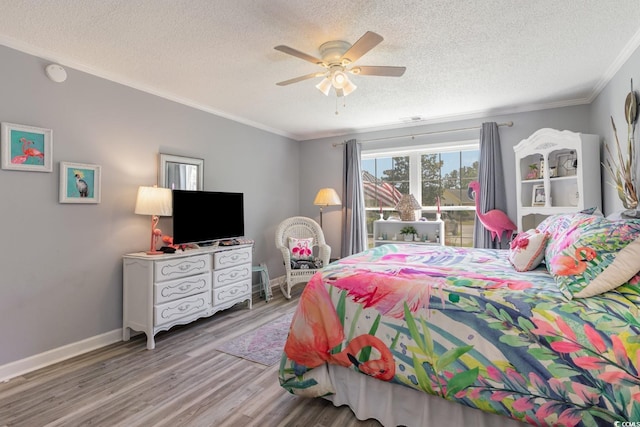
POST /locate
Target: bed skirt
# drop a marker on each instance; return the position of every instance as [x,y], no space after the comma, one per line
[395,405]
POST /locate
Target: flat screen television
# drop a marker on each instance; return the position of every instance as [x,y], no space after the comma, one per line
[206,216]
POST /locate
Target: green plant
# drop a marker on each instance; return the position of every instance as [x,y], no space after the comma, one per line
[409,229]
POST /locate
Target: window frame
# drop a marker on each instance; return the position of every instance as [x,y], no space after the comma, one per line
[415,153]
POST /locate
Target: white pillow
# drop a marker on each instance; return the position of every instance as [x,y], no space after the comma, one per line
[527,250]
[301,248]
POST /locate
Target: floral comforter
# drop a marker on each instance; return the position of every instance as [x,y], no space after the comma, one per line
[462,324]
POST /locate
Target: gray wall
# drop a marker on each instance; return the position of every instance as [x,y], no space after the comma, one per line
[610,104]
[60,264]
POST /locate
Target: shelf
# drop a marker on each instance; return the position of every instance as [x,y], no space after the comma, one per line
[561,194]
[564,178]
[429,242]
[552,210]
[389,228]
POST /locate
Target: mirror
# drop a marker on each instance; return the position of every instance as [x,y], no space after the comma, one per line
[180,173]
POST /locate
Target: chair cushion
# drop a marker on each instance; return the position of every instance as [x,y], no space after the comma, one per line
[312,263]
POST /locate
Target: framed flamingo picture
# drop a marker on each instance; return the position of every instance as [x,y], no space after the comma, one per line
[79,183]
[26,148]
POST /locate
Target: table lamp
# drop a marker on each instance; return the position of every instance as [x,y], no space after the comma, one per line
[407,206]
[156,202]
[326,197]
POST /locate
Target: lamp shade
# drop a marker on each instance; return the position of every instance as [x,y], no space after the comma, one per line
[327,197]
[348,88]
[324,86]
[154,201]
[407,207]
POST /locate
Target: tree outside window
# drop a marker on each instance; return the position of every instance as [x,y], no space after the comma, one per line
[442,175]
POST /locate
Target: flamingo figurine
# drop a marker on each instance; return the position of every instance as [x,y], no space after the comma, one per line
[496,221]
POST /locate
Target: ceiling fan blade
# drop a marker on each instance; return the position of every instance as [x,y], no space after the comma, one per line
[298,54]
[364,44]
[366,70]
[301,78]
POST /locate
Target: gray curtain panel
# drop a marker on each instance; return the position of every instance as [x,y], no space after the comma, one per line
[492,188]
[354,233]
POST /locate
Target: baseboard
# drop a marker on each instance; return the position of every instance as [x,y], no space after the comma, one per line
[23,366]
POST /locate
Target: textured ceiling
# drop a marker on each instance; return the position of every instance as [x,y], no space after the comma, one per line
[464,59]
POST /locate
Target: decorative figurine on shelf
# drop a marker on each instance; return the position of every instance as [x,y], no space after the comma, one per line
[496,221]
[168,241]
[533,171]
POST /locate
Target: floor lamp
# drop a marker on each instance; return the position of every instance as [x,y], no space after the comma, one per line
[326,197]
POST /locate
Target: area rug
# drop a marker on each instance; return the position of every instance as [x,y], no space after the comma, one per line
[262,345]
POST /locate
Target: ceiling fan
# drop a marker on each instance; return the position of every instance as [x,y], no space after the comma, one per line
[337,59]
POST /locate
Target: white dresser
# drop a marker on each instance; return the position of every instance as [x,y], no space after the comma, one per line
[161,291]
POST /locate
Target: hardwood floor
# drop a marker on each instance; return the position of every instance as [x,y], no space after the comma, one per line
[183,382]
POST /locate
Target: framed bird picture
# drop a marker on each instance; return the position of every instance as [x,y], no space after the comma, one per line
[26,148]
[79,183]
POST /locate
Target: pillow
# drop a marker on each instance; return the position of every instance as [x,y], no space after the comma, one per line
[301,249]
[527,250]
[595,257]
[558,227]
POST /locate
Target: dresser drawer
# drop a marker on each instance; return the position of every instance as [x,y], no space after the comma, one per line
[230,275]
[180,288]
[231,292]
[170,311]
[224,259]
[182,267]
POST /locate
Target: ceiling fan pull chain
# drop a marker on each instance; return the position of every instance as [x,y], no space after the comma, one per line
[337,106]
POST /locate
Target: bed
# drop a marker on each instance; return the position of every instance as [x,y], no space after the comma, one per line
[545,333]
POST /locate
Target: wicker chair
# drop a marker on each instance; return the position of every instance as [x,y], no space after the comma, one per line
[300,227]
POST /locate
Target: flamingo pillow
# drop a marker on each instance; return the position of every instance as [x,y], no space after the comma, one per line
[301,248]
[595,257]
[527,250]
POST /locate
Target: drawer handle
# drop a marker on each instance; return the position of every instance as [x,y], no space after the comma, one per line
[184,307]
[184,288]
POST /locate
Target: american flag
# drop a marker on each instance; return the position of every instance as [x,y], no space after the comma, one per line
[382,192]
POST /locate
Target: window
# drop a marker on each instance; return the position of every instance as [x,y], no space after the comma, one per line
[432,174]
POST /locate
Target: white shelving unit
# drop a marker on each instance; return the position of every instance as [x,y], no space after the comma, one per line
[429,232]
[570,175]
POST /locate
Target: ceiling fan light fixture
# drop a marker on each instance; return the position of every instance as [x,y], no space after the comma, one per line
[324,86]
[339,79]
[348,88]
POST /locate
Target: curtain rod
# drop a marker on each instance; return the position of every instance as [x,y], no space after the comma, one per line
[508,124]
